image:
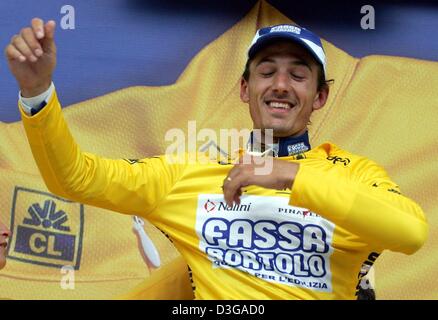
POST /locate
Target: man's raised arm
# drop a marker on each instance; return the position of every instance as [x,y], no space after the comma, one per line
[115,184]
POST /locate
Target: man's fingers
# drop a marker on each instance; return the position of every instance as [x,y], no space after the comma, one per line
[32,42]
[248,159]
[49,29]
[243,159]
[48,41]
[24,49]
[237,195]
[38,28]
[13,54]
[227,188]
[233,188]
[230,190]
[234,172]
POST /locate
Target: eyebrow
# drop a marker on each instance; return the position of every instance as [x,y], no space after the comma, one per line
[296,61]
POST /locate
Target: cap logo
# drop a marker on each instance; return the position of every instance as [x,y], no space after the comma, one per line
[286,28]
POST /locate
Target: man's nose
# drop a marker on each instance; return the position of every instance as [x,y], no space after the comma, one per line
[281,83]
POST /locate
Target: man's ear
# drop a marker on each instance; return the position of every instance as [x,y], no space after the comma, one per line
[244,94]
[321,97]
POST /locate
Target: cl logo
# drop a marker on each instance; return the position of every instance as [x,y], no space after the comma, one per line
[39,243]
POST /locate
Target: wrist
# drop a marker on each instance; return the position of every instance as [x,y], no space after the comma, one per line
[29,92]
[290,176]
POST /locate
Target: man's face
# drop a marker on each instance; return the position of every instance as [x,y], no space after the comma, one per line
[282,89]
[4,234]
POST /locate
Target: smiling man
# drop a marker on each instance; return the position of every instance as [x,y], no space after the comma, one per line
[287,80]
[310,228]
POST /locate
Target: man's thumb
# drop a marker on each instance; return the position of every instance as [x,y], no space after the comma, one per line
[48,42]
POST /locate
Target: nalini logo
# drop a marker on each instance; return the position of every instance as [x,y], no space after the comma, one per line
[209,206]
[47,230]
[236,207]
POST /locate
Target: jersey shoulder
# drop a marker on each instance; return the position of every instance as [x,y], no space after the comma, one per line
[337,156]
[361,167]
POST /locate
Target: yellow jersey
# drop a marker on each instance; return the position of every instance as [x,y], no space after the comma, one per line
[315,241]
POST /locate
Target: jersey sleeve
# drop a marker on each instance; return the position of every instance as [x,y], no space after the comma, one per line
[131,187]
[366,203]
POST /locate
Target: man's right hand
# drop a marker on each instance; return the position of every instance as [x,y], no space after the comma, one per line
[31,57]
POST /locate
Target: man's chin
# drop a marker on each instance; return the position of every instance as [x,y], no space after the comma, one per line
[281,132]
[278,130]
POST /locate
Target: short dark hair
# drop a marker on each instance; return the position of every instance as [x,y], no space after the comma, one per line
[321,78]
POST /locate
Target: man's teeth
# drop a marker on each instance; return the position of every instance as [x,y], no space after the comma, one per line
[281,105]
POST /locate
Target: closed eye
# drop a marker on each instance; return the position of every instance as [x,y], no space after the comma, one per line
[298,77]
[267,74]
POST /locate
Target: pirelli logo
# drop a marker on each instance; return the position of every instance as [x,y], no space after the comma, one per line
[48,230]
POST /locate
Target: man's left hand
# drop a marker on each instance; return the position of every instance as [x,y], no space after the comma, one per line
[247,171]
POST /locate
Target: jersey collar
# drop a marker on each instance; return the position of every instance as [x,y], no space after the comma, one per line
[287,146]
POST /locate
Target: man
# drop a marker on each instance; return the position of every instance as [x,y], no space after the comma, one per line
[4,235]
[309,228]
